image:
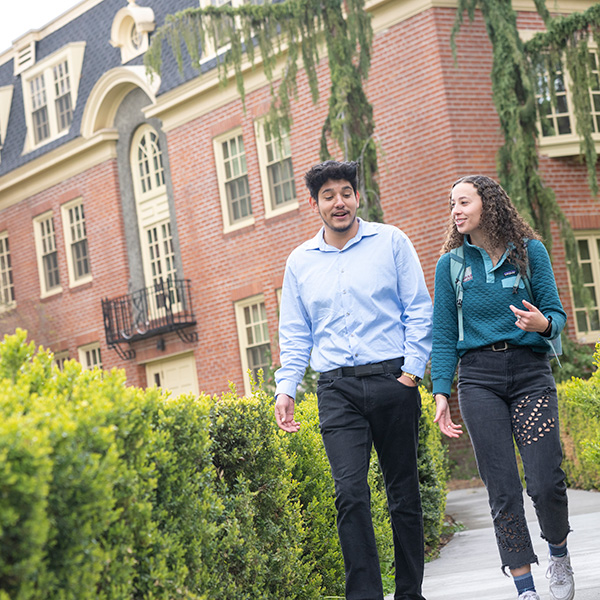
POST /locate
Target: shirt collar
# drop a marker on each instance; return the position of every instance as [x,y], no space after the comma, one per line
[486,259]
[365,229]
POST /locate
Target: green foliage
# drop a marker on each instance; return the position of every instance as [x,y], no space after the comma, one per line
[577,360]
[263,532]
[433,473]
[316,494]
[289,31]
[109,491]
[89,473]
[580,428]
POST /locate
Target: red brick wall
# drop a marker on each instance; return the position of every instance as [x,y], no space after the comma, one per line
[73,317]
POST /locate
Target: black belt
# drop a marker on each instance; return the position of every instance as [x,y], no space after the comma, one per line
[386,366]
[498,347]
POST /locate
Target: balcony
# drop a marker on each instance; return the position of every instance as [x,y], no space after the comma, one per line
[164,307]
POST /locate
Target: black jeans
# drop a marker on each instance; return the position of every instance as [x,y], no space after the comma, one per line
[354,414]
[507,397]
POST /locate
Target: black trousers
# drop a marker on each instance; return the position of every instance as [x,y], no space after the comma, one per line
[354,414]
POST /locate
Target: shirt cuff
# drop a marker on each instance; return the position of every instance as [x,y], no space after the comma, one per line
[286,387]
[442,386]
[414,366]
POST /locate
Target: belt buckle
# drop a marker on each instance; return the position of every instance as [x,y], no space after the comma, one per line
[500,348]
[363,370]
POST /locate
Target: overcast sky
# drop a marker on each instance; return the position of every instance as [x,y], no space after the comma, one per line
[19,16]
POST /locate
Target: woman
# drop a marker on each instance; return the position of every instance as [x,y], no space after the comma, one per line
[506,390]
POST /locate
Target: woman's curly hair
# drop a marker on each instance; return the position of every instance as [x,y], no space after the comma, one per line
[500,221]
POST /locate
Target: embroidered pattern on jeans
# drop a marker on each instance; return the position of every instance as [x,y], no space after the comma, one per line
[511,532]
[528,421]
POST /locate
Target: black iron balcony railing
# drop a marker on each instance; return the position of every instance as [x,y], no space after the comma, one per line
[163,307]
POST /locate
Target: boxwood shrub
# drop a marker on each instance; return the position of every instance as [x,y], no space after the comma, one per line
[579,408]
[108,491]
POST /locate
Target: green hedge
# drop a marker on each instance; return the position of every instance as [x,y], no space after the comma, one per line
[580,428]
[108,491]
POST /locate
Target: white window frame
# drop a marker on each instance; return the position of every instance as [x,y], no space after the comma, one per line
[281,153]
[152,205]
[43,240]
[242,326]
[90,356]
[7,286]
[228,224]
[567,144]
[593,239]
[72,55]
[210,51]
[59,358]
[74,281]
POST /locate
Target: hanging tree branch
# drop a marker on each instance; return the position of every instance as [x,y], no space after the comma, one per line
[290,31]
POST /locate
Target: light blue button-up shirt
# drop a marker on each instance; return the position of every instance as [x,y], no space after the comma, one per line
[363,304]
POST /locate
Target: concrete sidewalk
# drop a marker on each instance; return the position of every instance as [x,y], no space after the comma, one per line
[469,566]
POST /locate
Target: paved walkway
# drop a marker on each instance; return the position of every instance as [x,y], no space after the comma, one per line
[468,566]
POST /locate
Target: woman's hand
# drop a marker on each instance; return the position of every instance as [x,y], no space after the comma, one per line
[443,418]
[531,319]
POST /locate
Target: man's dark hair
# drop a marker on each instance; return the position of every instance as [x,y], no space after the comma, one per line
[331,169]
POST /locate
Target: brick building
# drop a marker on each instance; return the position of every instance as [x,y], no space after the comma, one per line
[145,224]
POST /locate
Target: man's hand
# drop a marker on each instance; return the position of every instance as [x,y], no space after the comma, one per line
[284,413]
[443,418]
[407,381]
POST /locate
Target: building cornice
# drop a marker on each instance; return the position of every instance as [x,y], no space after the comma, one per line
[62,163]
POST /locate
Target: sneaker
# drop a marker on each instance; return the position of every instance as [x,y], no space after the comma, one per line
[560,573]
[529,595]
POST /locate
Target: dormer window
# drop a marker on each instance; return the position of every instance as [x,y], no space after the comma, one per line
[130,29]
[50,94]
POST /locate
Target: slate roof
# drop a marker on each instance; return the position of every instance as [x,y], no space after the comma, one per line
[93,27]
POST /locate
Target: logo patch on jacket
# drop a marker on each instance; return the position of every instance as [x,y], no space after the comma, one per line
[511,272]
[468,275]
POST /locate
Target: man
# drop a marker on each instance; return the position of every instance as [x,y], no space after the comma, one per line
[354,301]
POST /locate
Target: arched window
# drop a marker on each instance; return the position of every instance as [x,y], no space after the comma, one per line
[149,161]
[152,206]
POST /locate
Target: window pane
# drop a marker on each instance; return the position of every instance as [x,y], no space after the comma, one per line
[151,171]
[80,259]
[41,128]
[564,125]
[584,250]
[582,326]
[50,262]
[7,292]
[561,104]
[238,197]
[49,254]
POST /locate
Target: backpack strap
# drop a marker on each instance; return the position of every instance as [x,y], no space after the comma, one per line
[457,268]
